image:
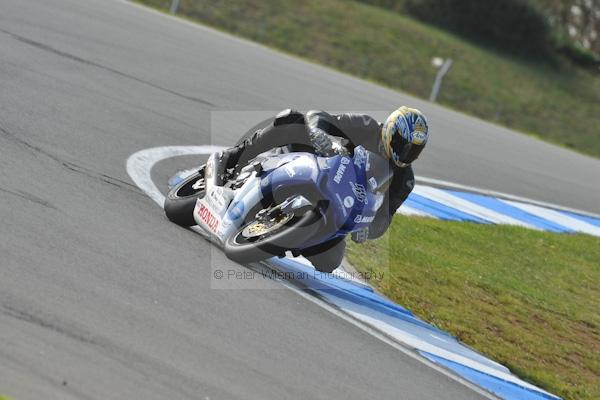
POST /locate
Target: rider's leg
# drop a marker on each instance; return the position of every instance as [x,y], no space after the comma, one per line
[287,128]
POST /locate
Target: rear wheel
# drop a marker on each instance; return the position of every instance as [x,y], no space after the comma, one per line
[181,200]
[263,237]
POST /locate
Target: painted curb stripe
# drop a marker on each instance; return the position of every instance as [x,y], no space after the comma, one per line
[492,383]
[324,282]
[584,218]
[557,217]
[513,212]
[465,206]
[439,210]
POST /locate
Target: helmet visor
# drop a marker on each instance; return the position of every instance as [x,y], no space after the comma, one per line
[408,152]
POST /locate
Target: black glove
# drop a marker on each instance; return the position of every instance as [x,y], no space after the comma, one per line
[321,142]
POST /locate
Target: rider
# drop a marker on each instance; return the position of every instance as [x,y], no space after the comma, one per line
[400,139]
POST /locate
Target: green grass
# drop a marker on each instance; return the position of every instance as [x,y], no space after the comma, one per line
[528,299]
[559,103]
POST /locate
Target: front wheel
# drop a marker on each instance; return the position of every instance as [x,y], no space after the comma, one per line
[181,200]
[258,239]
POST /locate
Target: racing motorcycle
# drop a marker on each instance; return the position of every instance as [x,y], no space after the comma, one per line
[281,201]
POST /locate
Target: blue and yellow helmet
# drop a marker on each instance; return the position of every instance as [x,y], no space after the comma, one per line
[404,135]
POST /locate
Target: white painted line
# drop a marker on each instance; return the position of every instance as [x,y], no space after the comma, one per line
[557,217]
[468,207]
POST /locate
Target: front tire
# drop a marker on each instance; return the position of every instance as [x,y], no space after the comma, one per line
[291,235]
[181,200]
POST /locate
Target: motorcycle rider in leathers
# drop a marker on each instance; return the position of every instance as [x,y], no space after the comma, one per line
[400,139]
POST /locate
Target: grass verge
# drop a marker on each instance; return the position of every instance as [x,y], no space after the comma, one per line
[527,299]
[557,103]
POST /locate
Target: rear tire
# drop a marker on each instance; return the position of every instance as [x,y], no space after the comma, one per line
[181,200]
[290,236]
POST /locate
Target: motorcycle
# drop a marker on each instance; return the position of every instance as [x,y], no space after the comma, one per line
[281,202]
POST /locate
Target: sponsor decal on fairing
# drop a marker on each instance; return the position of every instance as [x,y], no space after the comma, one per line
[208,218]
[359,191]
[361,219]
[216,199]
[339,174]
[348,202]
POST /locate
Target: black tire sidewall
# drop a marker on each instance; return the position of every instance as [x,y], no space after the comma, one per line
[180,210]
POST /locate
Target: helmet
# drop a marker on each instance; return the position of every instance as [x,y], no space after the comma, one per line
[404,135]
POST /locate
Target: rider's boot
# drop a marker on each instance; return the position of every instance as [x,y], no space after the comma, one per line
[327,256]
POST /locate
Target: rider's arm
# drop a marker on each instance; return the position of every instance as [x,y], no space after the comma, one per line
[359,129]
[356,129]
[321,127]
[402,184]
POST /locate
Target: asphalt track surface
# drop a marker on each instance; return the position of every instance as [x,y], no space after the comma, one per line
[102,298]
